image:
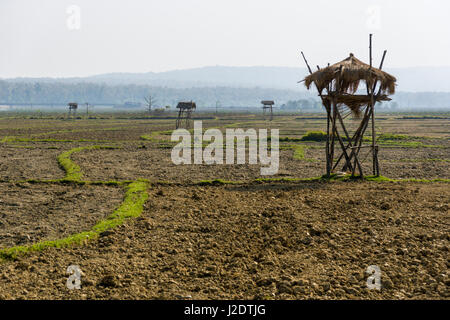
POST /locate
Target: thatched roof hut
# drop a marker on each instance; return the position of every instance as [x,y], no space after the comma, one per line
[186,105]
[347,74]
[342,80]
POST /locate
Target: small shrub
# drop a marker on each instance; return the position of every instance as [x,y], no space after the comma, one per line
[315,136]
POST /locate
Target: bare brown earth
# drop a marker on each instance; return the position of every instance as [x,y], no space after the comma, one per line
[265,241]
[284,240]
[155,164]
[34,212]
[19,163]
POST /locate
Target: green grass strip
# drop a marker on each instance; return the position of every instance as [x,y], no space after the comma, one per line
[132,207]
[332,178]
[335,177]
[299,153]
[153,134]
[73,171]
[380,179]
[383,179]
[216,182]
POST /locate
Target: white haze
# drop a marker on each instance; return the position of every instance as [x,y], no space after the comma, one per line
[156,35]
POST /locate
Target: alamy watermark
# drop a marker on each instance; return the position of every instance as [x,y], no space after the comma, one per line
[73,21]
[373,21]
[213,153]
[374,280]
[74,280]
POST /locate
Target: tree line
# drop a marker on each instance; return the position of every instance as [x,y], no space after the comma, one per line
[62,93]
[48,93]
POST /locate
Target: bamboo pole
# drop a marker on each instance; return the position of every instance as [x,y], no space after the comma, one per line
[327,107]
[372,114]
[333,131]
[358,139]
[327,148]
[309,69]
[379,91]
[344,148]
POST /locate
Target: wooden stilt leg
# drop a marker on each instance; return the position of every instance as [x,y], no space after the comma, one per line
[327,151]
[359,140]
[333,133]
[343,148]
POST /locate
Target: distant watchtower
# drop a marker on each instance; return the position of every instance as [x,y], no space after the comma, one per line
[185,110]
[267,104]
[72,106]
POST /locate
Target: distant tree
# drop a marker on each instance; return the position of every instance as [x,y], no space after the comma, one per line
[150,101]
[159,110]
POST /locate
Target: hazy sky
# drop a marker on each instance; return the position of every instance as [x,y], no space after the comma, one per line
[45,37]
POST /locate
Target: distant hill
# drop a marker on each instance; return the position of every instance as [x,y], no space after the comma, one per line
[417,79]
[249,77]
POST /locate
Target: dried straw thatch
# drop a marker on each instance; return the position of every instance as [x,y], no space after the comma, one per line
[186,105]
[346,75]
[355,101]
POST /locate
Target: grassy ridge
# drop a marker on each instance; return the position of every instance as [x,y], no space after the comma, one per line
[136,191]
[131,207]
[299,153]
[333,177]
[73,171]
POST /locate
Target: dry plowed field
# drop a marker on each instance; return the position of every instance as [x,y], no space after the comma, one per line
[103,194]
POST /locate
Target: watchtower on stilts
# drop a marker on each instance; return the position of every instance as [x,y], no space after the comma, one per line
[185,110]
[337,86]
[73,106]
[268,105]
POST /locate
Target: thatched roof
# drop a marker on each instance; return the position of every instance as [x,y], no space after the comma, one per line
[355,101]
[350,72]
[186,105]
